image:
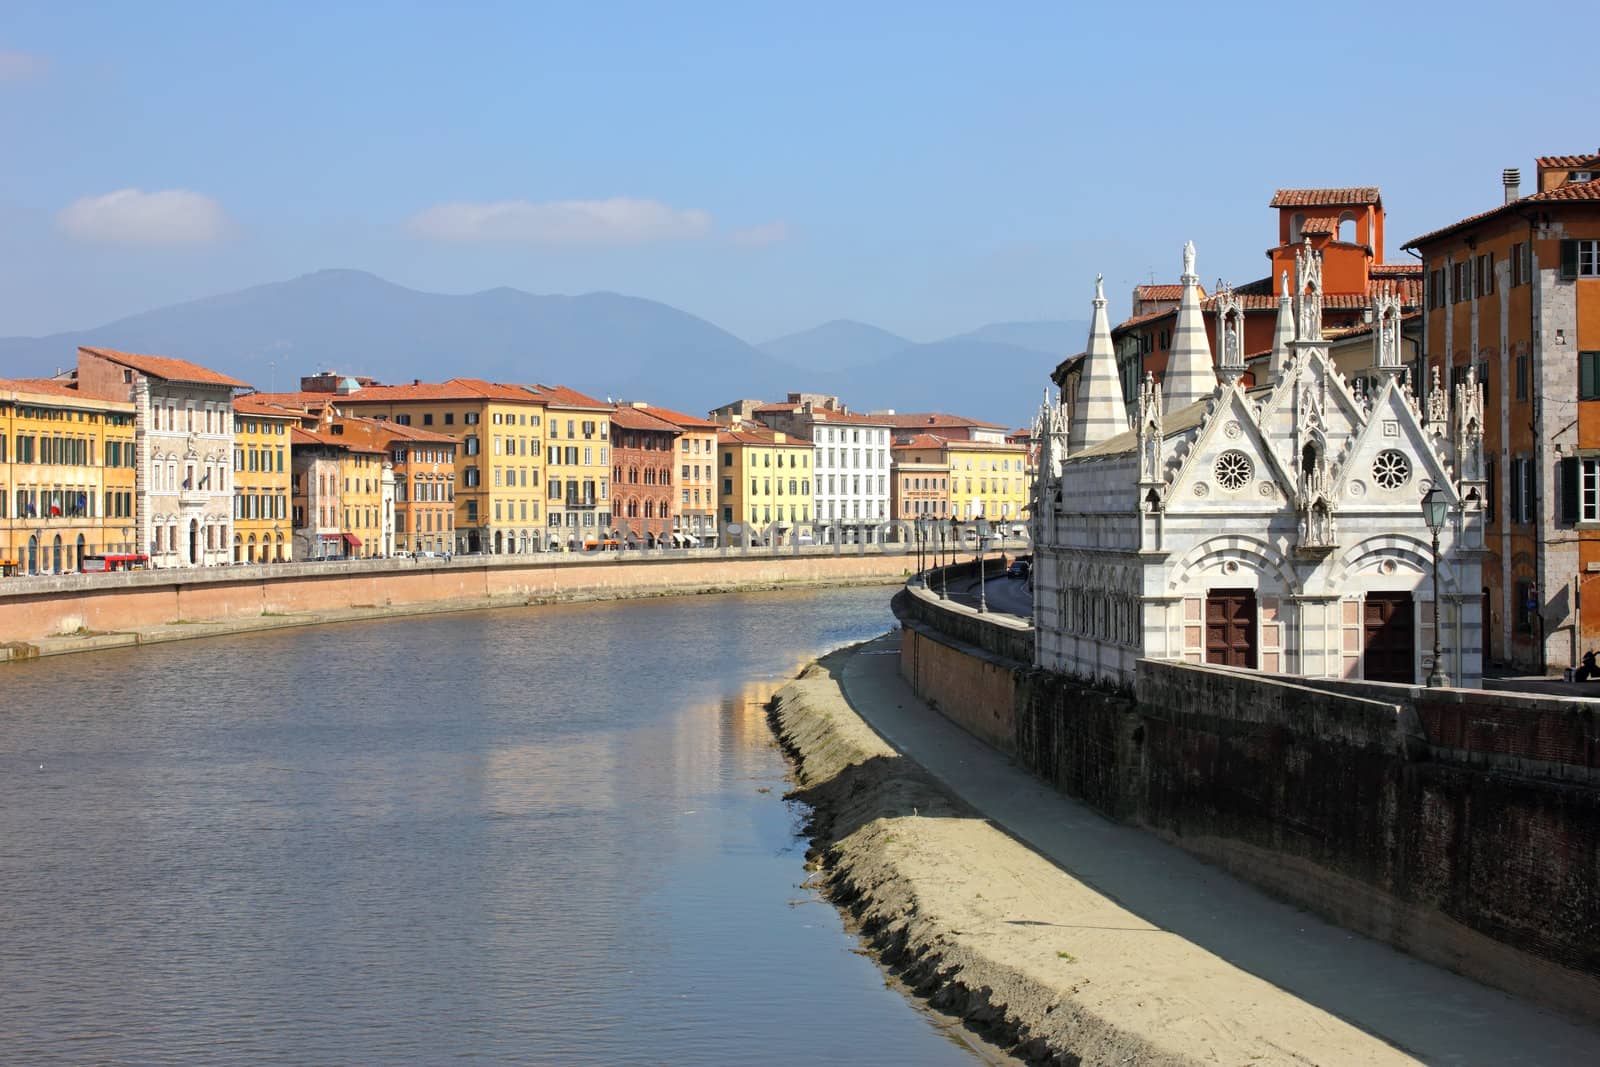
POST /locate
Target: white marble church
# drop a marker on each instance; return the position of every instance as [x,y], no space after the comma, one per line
[1277,526]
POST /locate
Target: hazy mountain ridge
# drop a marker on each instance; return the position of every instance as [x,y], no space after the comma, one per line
[605,344]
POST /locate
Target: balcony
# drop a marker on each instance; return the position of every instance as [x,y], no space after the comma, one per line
[580,502]
[193,498]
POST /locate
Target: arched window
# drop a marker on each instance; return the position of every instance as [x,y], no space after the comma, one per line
[1347,228]
[1297,223]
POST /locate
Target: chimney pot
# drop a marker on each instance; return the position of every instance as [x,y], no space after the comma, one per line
[1511,178]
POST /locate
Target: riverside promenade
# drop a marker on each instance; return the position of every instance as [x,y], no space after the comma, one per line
[1127,933]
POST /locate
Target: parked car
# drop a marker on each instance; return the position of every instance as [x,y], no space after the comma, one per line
[1018,569]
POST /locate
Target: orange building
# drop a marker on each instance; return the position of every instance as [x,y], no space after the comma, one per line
[1345,225]
[1513,297]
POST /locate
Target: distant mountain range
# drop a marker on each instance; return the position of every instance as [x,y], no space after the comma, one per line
[604,344]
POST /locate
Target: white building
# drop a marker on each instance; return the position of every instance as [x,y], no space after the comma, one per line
[183,431]
[1278,527]
[850,460]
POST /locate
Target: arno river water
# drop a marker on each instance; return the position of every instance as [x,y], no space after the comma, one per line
[543,836]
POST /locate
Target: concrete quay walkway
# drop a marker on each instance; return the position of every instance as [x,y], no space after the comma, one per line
[1429,1013]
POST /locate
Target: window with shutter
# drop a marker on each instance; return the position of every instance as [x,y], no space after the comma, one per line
[1589,375]
[1568,469]
[1516,491]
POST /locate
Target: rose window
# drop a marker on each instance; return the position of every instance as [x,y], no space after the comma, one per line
[1391,469]
[1233,470]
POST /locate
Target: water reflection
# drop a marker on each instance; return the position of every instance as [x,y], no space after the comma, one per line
[528,836]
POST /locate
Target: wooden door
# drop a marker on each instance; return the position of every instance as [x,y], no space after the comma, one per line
[1231,627]
[1389,638]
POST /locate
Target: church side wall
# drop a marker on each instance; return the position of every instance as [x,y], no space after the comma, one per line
[1087,575]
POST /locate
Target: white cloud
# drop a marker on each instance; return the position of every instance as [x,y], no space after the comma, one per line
[768,233]
[619,220]
[21,66]
[132,216]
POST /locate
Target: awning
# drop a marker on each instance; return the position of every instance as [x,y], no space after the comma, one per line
[350,539]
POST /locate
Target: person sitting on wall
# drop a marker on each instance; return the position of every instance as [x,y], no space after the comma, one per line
[1589,671]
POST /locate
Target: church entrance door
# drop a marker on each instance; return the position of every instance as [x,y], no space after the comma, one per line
[1389,638]
[1231,627]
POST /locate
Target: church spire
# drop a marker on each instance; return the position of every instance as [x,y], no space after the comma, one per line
[1098,412]
[1283,335]
[1189,376]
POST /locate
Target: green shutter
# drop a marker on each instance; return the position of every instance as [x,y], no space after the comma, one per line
[1569,259]
[1516,491]
[1588,379]
[1569,490]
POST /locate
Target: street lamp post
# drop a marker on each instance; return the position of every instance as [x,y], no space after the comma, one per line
[1434,507]
[944,566]
[983,553]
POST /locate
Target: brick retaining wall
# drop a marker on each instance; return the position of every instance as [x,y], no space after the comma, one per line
[31,609]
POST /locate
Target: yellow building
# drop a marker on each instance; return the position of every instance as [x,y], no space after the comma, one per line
[66,476]
[499,455]
[577,468]
[362,469]
[766,476]
[261,481]
[988,480]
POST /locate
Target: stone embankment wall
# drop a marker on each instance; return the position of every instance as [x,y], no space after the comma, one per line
[973,681]
[36,608]
[1462,826]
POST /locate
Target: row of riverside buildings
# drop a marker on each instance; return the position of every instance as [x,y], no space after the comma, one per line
[172,464]
[1235,476]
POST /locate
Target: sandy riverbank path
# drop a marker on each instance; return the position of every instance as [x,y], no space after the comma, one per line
[1167,904]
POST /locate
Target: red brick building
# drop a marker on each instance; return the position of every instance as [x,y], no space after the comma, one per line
[643,452]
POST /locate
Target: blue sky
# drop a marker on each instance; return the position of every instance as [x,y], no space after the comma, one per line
[925,167]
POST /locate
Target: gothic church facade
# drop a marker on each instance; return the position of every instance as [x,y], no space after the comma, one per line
[1278,527]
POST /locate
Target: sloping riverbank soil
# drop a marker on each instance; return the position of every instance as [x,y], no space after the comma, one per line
[989,931]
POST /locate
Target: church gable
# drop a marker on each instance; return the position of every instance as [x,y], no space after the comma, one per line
[1313,404]
[1228,464]
[1392,463]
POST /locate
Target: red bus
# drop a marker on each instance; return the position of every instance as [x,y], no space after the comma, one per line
[122,561]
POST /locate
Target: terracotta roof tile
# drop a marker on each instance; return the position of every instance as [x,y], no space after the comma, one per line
[1390,270]
[50,387]
[258,404]
[166,367]
[632,418]
[933,440]
[1407,285]
[920,441]
[452,389]
[1571,192]
[914,419]
[679,419]
[1360,194]
[1158,292]
[1320,224]
[562,397]
[746,434]
[1589,190]
[1567,162]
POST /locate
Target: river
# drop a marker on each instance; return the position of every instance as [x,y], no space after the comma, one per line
[550,835]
